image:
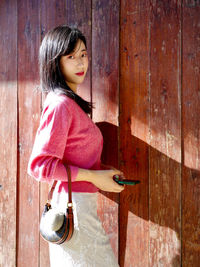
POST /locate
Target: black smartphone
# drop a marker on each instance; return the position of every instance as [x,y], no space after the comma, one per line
[120,181]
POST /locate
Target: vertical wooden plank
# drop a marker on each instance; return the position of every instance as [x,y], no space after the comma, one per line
[165,129]
[8,132]
[74,14]
[191,134]
[134,131]
[105,34]
[29,111]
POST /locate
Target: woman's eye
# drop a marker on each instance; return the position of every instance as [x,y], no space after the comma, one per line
[71,57]
[84,55]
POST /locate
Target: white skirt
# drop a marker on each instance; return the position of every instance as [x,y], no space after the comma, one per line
[89,245]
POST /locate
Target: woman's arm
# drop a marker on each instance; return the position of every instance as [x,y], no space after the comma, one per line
[46,162]
[103,179]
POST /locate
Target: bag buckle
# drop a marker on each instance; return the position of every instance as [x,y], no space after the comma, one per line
[70,205]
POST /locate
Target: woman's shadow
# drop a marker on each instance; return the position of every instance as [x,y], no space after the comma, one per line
[156,206]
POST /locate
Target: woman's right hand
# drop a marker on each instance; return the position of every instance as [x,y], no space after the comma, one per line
[103,179]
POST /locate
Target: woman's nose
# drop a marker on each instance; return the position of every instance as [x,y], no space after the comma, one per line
[80,62]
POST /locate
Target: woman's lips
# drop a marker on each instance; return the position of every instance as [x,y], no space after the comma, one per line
[80,73]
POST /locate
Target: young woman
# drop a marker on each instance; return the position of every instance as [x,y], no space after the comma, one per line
[67,137]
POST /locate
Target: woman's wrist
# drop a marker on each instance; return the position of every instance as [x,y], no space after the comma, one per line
[84,175]
[102,179]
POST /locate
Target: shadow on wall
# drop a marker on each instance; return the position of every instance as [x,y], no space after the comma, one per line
[163,221]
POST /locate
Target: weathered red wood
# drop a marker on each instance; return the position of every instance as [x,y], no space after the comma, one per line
[150,124]
[165,130]
[191,134]
[105,34]
[8,132]
[134,132]
[29,112]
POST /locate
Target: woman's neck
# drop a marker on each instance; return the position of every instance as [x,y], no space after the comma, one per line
[72,86]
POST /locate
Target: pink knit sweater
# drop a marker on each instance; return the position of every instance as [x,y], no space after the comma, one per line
[66,136]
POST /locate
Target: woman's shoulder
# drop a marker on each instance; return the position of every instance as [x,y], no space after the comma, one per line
[62,103]
[58,101]
[56,108]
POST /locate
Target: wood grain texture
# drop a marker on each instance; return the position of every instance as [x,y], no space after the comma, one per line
[191,134]
[8,132]
[147,107]
[134,132]
[29,112]
[165,129]
[105,34]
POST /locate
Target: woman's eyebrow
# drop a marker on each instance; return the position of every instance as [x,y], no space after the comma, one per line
[74,51]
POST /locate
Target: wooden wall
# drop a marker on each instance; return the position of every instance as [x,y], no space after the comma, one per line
[144,79]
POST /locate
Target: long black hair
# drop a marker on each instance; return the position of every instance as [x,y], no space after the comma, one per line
[58,42]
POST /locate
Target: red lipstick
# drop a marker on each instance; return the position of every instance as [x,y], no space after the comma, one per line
[80,73]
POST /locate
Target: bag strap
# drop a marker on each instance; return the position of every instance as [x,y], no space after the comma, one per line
[69,204]
[69,210]
[69,186]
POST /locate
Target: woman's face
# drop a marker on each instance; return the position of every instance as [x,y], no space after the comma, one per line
[74,66]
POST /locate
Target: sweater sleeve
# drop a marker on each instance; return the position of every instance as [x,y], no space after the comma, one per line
[46,162]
